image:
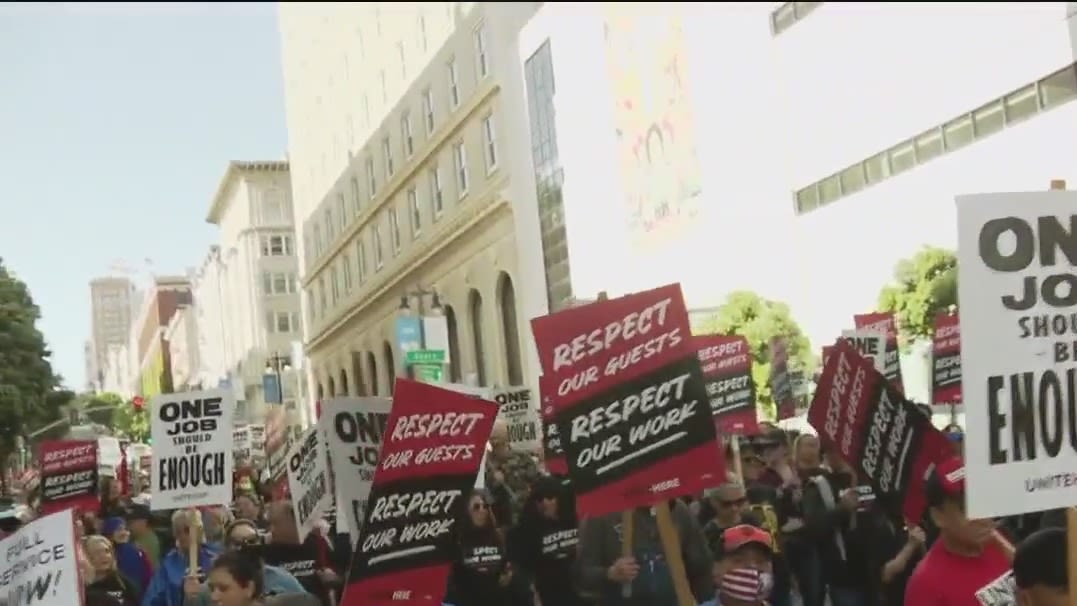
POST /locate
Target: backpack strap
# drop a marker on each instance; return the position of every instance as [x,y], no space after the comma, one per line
[826,493]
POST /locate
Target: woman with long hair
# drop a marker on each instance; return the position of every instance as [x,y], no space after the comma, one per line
[481,572]
[545,541]
[106,576]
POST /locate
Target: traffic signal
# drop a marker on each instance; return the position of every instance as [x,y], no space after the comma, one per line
[138,403]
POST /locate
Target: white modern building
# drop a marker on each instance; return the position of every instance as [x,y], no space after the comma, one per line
[402,158]
[112,304]
[247,303]
[796,149]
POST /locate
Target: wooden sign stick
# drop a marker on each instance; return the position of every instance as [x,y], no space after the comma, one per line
[671,545]
[194,519]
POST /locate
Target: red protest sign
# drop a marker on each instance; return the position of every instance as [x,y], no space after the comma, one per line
[628,399]
[431,451]
[553,454]
[883,322]
[68,475]
[883,436]
[946,360]
[727,373]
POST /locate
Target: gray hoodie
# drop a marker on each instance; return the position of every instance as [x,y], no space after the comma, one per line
[600,547]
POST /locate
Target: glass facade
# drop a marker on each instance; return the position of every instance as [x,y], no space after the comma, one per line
[538,76]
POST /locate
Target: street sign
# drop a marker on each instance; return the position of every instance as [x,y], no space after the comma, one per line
[425,356]
[428,373]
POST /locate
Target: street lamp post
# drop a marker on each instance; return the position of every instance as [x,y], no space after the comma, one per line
[411,335]
[277,365]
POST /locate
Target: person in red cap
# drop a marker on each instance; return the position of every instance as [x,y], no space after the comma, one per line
[743,575]
[969,563]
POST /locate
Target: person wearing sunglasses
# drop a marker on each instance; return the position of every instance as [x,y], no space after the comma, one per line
[481,572]
[729,502]
[243,536]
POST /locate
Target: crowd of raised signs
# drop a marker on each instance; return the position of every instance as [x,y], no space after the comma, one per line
[647,480]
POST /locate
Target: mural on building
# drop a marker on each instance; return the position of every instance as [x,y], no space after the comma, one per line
[656,141]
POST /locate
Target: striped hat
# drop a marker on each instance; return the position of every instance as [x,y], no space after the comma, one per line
[742,584]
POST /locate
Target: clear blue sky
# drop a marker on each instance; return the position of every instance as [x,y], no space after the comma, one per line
[116,123]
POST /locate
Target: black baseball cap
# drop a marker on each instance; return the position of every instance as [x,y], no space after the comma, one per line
[139,512]
[1040,560]
[946,482]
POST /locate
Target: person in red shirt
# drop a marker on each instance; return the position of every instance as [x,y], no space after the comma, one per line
[969,564]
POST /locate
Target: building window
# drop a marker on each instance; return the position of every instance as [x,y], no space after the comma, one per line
[282,322]
[324,300]
[280,246]
[789,13]
[342,210]
[273,207]
[330,226]
[357,203]
[371,179]
[387,151]
[394,230]
[437,201]
[360,260]
[278,283]
[482,60]
[954,134]
[428,110]
[379,252]
[422,32]
[384,88]
[405,135]
[366,111]
[403,60]
[334,283]
[459,157]
[489,143]
[318,244]
[454,85]
[415,218]
[346,272]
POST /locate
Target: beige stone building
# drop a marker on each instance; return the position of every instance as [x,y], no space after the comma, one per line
[401,177]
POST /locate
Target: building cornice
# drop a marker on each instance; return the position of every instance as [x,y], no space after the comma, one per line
[237,169]
[402,179]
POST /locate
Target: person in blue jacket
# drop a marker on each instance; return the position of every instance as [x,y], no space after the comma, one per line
[242,535]
[167,587]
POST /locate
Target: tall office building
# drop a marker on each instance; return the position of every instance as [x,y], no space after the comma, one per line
[798,150]
[405,134]
[112,302]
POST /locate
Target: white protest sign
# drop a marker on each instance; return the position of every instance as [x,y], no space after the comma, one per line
[308,480]
[40,565]
[870,344]
[241,442]
[1016,253]
[192,449]
[518,410]
[258,441]
[354,428]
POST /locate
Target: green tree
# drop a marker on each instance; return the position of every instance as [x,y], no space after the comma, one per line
[759,320]
[131,423]
[29,398]
[924,285]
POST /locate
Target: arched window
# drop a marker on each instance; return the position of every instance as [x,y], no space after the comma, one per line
[357,372]
[454,343]
[507,302]
[372,372]
[390,365]
[321,392]
[474,306]
[332,387]
[343,383]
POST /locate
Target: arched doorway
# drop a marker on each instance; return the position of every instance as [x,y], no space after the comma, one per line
[454,343]
[390,365]
[372,372]
[507,302]
[332,387]
[344,383]
[474,307]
